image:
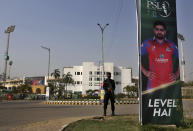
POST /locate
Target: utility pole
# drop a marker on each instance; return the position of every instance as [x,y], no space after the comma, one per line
[181,37]
[48,49]
[102,31]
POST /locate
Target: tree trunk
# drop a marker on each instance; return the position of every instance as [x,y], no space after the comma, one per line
[66,92]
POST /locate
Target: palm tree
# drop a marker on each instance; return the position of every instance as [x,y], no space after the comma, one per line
[56,73]
[67,79]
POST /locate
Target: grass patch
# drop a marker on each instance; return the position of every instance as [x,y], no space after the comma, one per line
[122,123]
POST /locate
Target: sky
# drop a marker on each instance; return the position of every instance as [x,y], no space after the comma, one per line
[69,28]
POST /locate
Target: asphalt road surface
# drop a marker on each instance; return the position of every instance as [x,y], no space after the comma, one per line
[18,113]
[13,114]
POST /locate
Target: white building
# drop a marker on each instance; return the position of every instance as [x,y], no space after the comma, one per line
[89,76]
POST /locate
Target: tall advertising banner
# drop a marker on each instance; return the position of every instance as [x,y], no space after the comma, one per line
[160,89]
[102,93]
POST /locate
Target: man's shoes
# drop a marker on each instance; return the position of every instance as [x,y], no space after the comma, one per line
[104,113]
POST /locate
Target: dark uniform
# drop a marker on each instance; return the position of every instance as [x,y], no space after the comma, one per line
[109,87]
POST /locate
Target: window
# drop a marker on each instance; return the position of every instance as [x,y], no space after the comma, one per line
[81,73]
[97,79]
[78,73]
[90,83]
[117,82]
[78,82]
[117,73]
[90,72]
[98,73]
[90,78]
[75,73]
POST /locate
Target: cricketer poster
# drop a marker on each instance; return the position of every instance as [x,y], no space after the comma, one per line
[160,89]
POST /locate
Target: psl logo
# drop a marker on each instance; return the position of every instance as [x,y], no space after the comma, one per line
[162,8]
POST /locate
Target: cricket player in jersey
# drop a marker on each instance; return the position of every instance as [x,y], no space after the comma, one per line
[160,53]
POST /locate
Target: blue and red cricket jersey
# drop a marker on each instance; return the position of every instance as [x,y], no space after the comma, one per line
[160,60]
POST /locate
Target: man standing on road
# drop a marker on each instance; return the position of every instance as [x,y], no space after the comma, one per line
[109,87]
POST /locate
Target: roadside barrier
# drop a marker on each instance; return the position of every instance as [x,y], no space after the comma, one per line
[89,102]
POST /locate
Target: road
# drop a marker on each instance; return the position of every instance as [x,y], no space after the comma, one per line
[15,114]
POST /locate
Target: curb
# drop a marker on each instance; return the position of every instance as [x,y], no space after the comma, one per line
[88,102]
[67,125]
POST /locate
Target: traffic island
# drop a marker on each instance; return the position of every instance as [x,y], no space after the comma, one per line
[121,123]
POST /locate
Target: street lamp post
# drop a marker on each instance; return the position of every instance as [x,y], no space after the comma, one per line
[48,49]
[181,37]
[8,31]
[102,31]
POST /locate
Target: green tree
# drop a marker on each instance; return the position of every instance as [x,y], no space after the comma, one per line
[28,82]
[56,75]
[120,95]
[60,91]
[131,91]
[90,92]
[14,89]
[25,87]
[52,89]
[136,81]
[186,84]
[67,80]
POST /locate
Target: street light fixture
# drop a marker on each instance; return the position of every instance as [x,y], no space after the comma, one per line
[102,31]
[48,49]
[6,57]
[181,37]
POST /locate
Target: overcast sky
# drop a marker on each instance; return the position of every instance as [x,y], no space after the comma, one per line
[69,28]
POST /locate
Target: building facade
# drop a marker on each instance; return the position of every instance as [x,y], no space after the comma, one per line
[88,76]
[38,84]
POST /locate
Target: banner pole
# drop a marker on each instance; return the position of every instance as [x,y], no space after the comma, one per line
[138,6]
